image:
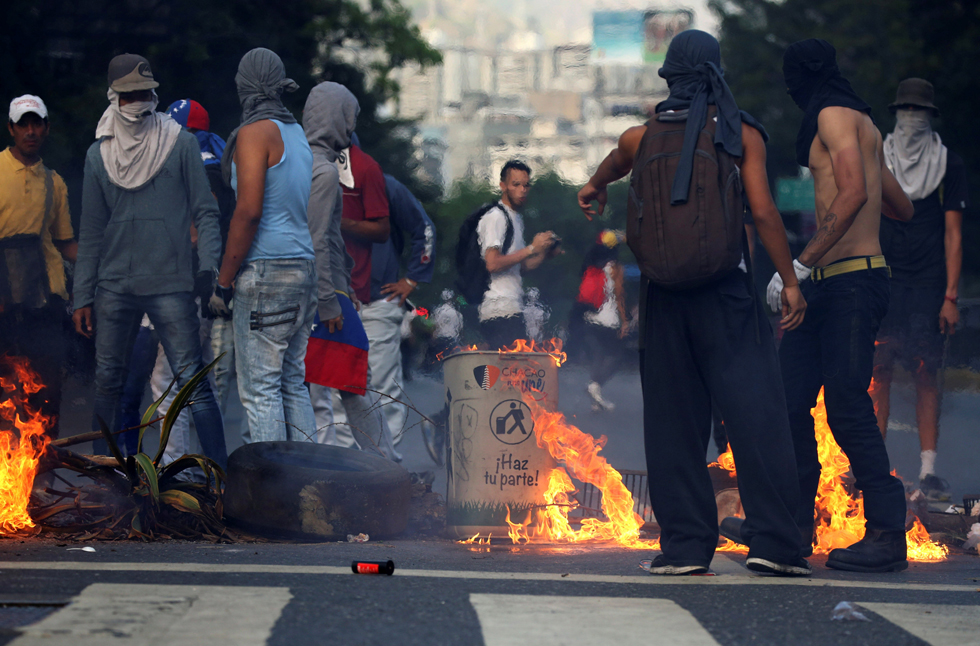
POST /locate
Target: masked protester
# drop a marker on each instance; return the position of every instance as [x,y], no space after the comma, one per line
[144,187]
[337,355]
[268,265]
[703,335]
[845,281]
[35,235]
[925,255]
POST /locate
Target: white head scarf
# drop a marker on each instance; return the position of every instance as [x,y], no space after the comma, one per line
[135,140]
[915,155]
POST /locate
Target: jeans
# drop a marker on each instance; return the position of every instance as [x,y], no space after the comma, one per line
[382,321]
[359,424]
[704,345]
[223,346]
[175,319]
[275,302]
[141,361]
[834,348]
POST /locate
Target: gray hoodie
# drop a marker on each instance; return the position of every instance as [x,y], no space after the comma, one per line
[329,119]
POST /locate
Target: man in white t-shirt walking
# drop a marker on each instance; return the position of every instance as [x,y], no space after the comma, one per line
[502,310]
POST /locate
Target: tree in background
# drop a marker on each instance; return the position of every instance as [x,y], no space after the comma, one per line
[879,43]
[60,49]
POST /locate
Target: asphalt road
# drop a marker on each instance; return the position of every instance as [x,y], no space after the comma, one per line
[446,593]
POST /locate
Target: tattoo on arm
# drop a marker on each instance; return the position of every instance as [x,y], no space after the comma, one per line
[826,232]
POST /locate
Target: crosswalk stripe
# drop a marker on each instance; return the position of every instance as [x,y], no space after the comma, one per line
[147,615]
[742,576]
[936,624]
[567,621]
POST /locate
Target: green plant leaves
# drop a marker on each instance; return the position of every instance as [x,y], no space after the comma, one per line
[181,500]
[181,401]
[150,474]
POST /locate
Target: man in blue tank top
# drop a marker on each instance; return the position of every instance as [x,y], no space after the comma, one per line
[269,255]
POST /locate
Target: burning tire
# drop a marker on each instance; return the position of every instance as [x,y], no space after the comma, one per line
[315,491]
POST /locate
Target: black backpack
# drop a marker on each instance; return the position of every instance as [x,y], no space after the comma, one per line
[472,277]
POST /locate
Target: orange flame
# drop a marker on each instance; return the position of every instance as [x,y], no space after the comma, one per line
[551,346]
[579,452]
[726,461]
[20,451]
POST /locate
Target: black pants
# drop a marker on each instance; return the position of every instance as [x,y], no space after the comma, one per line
[834,348]
[39,336]
[603,351]
[713,344]
[503,331]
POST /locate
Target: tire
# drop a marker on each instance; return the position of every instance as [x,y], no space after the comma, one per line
[305,490]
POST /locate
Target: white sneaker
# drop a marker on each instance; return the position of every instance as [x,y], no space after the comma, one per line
[595,391]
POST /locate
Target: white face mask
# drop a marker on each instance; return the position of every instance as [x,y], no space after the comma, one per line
[912,123]
[137,111]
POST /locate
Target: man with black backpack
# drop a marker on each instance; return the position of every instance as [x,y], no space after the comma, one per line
[704,337]
[491,254]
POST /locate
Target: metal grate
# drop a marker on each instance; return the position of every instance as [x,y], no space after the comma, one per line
[590,498]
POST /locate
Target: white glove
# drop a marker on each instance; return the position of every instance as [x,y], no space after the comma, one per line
[775,290]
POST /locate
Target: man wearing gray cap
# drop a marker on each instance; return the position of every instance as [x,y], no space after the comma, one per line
[144,187]
[35,235]
[925,255]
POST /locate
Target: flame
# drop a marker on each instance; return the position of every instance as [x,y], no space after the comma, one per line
[20,451]
[551,346]
[921,547]
[579,452]
[475,539]
[726,461]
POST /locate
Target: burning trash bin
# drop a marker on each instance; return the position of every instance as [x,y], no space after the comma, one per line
[494,464]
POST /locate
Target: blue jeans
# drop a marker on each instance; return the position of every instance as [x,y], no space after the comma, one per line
[144,354]
[174,317]
[275,302]
[834,347]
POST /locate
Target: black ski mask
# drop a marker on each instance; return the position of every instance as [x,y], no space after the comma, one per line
[814,82]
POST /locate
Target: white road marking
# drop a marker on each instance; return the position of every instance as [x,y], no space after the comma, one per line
[636,579]
[507,619]
[935,624]
[151,615]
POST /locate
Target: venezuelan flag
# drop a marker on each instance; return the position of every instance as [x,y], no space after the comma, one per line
[339,360]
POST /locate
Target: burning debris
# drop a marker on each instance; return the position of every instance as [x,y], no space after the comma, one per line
[130,497]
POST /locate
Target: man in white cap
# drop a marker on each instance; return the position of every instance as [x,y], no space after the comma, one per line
[144,187]
[35,235]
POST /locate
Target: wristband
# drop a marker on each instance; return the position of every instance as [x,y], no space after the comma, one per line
[411,283]
[531,247]
[952,299]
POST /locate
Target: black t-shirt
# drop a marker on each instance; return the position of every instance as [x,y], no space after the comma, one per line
[916,250]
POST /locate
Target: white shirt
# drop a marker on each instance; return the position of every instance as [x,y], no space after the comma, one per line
[505,295]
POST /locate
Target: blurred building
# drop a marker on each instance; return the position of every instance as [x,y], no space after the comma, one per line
[557,107]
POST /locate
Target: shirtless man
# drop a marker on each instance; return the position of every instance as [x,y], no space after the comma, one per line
[845,282]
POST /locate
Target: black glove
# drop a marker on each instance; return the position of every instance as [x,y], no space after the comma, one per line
[220,302]
[204,283]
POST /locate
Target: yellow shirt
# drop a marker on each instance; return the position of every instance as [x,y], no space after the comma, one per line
[22,197]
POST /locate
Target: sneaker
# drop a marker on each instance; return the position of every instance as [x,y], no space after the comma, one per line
[659,565]
[595,391]
[764,566]
[878,551]
[935,488]
[434,438]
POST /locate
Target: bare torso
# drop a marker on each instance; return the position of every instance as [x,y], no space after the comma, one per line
[861,239]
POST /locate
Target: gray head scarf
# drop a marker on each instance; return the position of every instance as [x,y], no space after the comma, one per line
[915,154]
[329,118]
[261,80]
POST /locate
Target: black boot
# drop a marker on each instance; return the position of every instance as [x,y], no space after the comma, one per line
[878,551]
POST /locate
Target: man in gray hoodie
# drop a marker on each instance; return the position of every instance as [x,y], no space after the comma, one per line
[328,119]
[144,186]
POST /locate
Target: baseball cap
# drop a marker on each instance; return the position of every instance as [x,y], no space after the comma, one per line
[130,73]
[190,114]
[27,103]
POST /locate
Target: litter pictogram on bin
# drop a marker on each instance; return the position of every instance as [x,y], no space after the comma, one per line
[511,421]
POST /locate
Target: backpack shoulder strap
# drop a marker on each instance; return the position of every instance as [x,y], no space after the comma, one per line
[48,195]
[509,234]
